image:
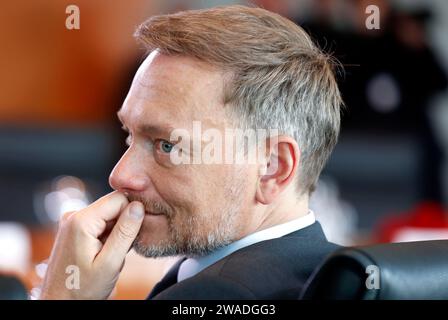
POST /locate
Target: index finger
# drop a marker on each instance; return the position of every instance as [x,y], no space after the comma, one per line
[107,207]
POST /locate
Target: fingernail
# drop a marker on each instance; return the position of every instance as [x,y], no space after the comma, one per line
[136,211]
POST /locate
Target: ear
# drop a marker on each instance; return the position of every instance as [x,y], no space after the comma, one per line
[278,172]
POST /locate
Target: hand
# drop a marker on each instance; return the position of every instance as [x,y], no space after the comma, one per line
[79,252]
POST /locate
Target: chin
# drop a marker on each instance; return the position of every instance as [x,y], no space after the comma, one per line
[152,235]
[153,246]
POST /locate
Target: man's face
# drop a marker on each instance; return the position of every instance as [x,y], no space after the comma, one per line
[191,208]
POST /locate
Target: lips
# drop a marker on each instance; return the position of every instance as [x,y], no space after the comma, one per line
[153,213]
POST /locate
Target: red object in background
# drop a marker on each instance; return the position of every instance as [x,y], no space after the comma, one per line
[428,217]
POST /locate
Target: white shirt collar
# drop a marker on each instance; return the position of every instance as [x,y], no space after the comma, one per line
[193,266]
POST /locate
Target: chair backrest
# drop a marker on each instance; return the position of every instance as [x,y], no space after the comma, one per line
[409,270]
[12,288]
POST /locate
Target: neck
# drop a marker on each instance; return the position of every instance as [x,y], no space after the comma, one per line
[287,208]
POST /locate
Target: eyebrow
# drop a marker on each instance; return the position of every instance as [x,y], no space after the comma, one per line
[149,129]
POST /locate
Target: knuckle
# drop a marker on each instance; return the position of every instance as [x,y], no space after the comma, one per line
[66,219]
[66,216]
[125,231]
[74,221]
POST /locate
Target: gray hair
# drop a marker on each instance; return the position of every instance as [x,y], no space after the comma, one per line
[278,78]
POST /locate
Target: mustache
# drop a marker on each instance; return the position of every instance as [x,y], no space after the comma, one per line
[151,205]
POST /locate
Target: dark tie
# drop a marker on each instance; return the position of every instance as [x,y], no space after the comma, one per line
[167,281]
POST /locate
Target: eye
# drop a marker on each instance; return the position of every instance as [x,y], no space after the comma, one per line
[164,146]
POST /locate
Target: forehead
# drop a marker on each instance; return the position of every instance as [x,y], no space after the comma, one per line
[174,91]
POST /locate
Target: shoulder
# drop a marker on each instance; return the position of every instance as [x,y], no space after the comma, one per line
[275,268]
[271,269]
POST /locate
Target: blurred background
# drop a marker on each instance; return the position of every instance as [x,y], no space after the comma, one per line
[387,180]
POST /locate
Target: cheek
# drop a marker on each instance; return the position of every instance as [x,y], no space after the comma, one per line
[180,186]
[199,189]
[222,190]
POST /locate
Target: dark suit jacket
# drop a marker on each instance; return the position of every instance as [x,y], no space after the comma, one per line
[271,269]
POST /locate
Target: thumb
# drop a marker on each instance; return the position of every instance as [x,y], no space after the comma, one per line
[122,235]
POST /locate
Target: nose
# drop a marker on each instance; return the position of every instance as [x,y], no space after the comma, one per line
[128,174]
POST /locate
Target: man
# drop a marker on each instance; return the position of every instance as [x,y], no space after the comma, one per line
[242,228]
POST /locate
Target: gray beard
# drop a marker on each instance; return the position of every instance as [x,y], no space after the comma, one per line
[191,242]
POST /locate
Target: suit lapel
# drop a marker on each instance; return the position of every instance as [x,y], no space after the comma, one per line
[167,281]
